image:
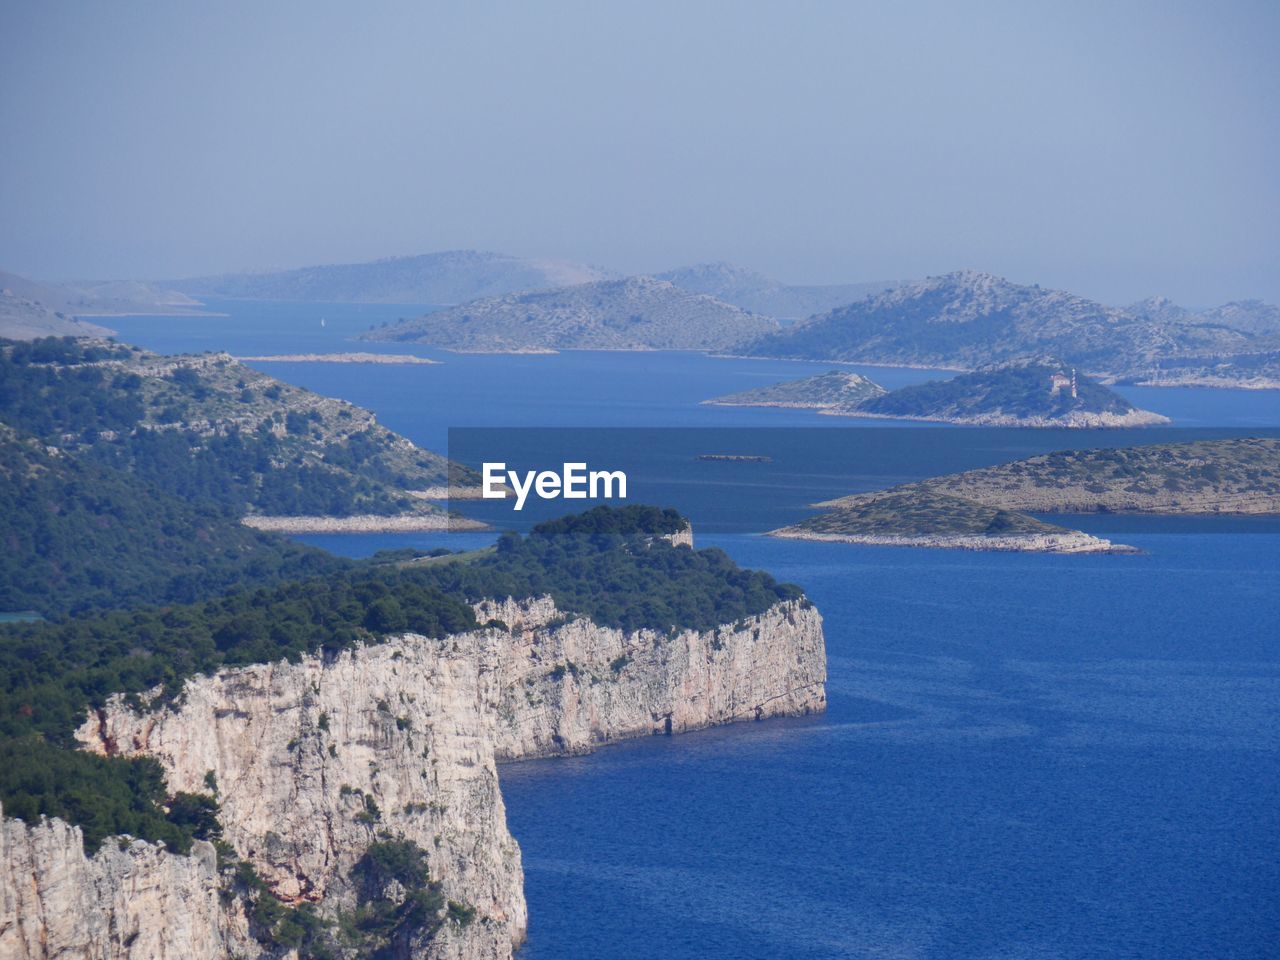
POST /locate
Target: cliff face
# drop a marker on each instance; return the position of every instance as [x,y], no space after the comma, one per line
[135,903]
[313,760]
[562,687]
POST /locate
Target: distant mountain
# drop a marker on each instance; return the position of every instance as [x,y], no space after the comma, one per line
[967,320]
[29,310]
[1031,393]
[451,276]
[1160,310]
[636,313]
[760,294]
[834,389]
[1248,316]
[106,298]
[1251,316]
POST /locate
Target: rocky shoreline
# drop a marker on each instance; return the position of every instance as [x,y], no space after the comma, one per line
[387,358]
[1075,420]
[368,523]
[1073,541]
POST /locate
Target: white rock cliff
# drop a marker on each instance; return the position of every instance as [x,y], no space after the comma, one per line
[312,760]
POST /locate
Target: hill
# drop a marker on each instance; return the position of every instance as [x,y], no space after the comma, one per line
[29,310]
[80,535]
[1247,316]
[450,276]
[1029,393]
[835,389]
[636,313]
[1023,394]
[1195,477]
[207,428]
[760,294]
[968,320]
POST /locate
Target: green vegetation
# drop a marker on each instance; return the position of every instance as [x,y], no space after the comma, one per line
[1015,390]
[78,536]
[920,514]
[628,521]
[52,673]
[833,389]
[1202,476]
[213,431]
[104,796]
[608,565]
[398,907]
[630,580]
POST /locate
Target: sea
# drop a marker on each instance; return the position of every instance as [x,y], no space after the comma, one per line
[1025,756]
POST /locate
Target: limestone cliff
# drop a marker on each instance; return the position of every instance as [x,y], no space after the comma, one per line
[130,901]
[314,760]
[567,687]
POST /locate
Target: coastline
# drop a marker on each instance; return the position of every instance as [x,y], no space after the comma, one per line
[365,523]
[356,357]
[1068,542]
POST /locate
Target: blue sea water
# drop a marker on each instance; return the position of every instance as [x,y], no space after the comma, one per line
[1024,756]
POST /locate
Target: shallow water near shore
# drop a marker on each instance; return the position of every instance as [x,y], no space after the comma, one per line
[1025,756]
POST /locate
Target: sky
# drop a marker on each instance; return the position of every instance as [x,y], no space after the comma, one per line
[1117,149]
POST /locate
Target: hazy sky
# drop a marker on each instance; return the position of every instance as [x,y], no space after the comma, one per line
[1117,149]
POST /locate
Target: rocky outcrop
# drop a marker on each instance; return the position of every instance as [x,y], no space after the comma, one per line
[427,521]
[129,901]
[313,760]
[567,687]
[1069,541]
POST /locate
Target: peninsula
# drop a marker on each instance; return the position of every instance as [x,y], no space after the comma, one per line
[636,313]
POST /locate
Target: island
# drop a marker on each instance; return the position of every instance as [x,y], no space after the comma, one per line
[833,390]
[967,320]
[1199,477]
[987,508]
[634,313]
[924,518]
[1030,392]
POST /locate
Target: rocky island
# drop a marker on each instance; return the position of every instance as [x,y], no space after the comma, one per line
[1024,393]
[968,319]
[834,390]
[986,509]
[926,518]
[1233,476]
[636,313]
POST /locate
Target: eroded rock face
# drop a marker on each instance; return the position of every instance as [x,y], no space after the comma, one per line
[136,902]
[568,687]
[313,760]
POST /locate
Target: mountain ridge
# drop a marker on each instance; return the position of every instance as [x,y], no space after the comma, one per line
[632,313]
